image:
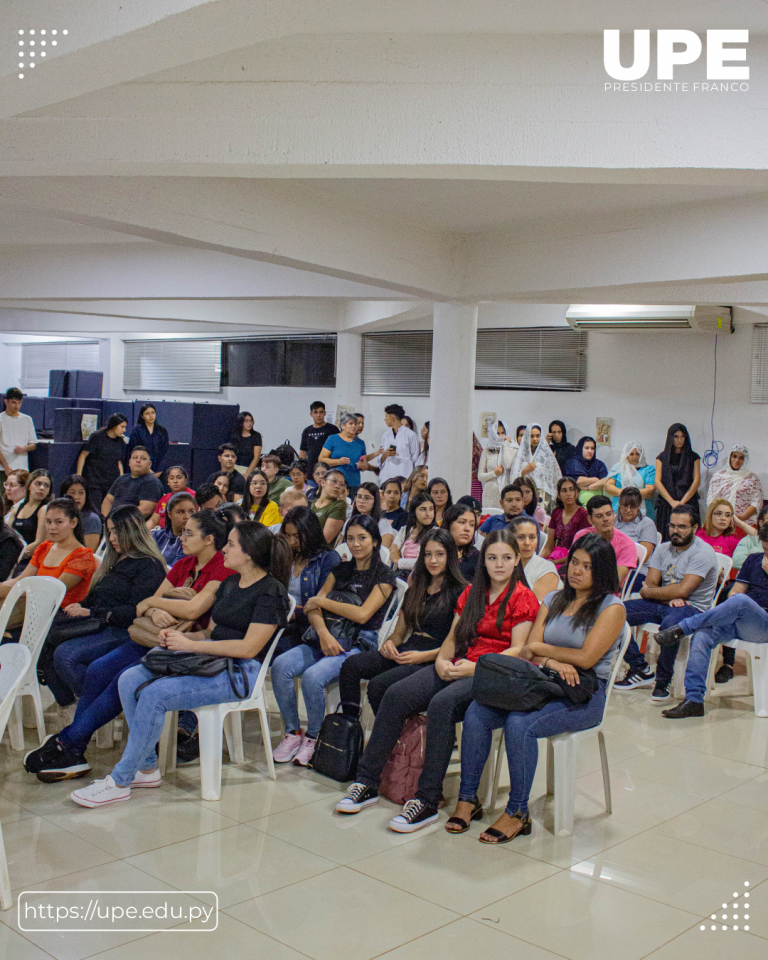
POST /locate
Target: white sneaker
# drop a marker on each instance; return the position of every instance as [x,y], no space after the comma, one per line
[100,793]
[151,779]
[288,747]
[305,752]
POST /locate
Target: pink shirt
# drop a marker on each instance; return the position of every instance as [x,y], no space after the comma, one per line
[626,554]
[722,544]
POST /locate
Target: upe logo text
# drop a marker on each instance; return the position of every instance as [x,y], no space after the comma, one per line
[677,48]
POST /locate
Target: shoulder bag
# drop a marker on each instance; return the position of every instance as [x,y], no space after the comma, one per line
[185,663]
[344,631]
[510,683]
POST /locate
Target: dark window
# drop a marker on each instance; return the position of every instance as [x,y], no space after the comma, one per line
[283,362]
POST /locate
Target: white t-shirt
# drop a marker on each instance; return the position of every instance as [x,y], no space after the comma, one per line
[537,567]
[16,432]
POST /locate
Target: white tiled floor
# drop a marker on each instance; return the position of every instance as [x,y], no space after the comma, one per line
[294,880]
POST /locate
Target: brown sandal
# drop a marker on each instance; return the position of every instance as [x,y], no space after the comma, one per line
[463,826]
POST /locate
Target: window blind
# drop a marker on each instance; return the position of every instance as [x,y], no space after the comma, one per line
[759,385]
[184,366]
[38,359]
[399,364]
[531,358]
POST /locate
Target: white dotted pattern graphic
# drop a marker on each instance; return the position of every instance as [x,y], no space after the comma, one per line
[27,53]
[740,902]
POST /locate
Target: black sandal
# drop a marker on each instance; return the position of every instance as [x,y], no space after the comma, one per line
[477,814]
[500,837]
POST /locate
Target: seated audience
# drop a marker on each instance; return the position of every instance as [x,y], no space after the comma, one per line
[424,621]
[640,529]
[531,504]
[289,498]
[208,497]
[151,436]
[366,504]
[534,459]
[270,467]
[314,436]
[227,457]
[102,457]
[750,543]
[512,503]
[330,507]
[249,608]
[558,443]
[495,611]
[318,663]
[28,516]
[743,616]
[407,543]
[313,485]
[345,450]
[495,463]
[588,472]
[14,489]
[567,519]
[738,485]
[540,574]
[169,541]
[681,581]
[603,520]
[223,481]
[178,480]
[298,476]
[424,455]
[677,477]
[256,501]
[577,628]
[633,471]
[390,493]
[440,492]
[416,483]
[139,487]
[460,521]
[92,522]
[722,530]
[230,514]
[247,442]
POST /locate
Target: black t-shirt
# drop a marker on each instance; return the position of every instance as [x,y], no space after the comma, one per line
[235,609]
[755,577]
[130,581]
[313,440]
[362,583]
[397,517]
[105,453]
[468,563]
[245,447]
[435,623]
[128,489]
[236,482]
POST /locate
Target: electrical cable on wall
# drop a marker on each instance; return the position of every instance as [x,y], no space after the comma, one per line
[712,455]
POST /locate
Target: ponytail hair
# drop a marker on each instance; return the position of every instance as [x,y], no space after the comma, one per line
[69,508]
[271,552]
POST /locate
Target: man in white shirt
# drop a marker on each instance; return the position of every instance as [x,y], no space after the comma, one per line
[399,449]
[17,434]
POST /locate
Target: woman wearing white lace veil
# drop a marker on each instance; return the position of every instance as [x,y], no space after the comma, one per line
[535,460]
[632,471]
[495,463]
[737,484]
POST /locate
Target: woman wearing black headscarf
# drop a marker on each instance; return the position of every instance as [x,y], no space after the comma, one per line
[588,472]
[558,444]
[678,475]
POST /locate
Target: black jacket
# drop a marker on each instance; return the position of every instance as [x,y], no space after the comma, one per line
[130,581]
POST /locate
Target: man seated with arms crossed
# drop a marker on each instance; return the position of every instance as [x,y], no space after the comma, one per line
[743,616]
[228,460]
[139,486]
[600,510]
[681,582]
[512,503]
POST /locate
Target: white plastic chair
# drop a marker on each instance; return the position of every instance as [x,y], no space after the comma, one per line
[629,583]
[344,552]
[757,670]
[561,759]
[15,662]
[492,511]
[43,598]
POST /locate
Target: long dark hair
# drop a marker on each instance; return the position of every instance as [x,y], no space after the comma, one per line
[266,550]
[421,578]
[31,479]
[377,570]
[529,508]
[114,421]
[71,481]
[238,431]
[371,488]
[309,530]
[133,538]
[558,502]
[433,483]
[143,410]
[230,492]
[474,608]
[605,581]
[229,514]
[248,496]
[211,524]
[679,472]
[411,523]
[69,508]
[451,515]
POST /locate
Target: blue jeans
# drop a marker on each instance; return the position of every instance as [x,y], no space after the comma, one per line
[72,658]
[100,699]
[316,672]
[521,731]
[739,618]
[147,716]
[648,611]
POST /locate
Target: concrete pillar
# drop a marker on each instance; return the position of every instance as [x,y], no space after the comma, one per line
[349,348]
[452,393]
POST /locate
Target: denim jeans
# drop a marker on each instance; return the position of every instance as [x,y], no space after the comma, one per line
[739,618]
[316,672]
[72,658]
[648,611]
[147,716]
[100,699]
[521,731]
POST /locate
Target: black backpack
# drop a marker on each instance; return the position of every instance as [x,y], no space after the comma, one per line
[286,453]
[339,747]
[510,683]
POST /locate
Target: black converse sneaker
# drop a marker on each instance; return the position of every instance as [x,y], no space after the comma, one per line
[635,679]
[416,814]
[358,796]
[59,765]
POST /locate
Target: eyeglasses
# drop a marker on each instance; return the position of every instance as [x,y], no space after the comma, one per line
[186,534]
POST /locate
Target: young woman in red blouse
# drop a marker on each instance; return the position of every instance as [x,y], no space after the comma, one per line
[492,615]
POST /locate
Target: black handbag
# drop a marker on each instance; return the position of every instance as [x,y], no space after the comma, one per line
[510,683]
[339,747]
[76,627]
[185,663]
[344,631]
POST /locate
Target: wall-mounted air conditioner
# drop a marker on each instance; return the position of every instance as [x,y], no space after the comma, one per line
[618,317]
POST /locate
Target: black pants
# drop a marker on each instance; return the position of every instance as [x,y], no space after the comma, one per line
[378,670]
[445,701]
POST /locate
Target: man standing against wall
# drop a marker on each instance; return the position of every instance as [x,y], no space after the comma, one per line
[313,437]
[399,449]
[17,434]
